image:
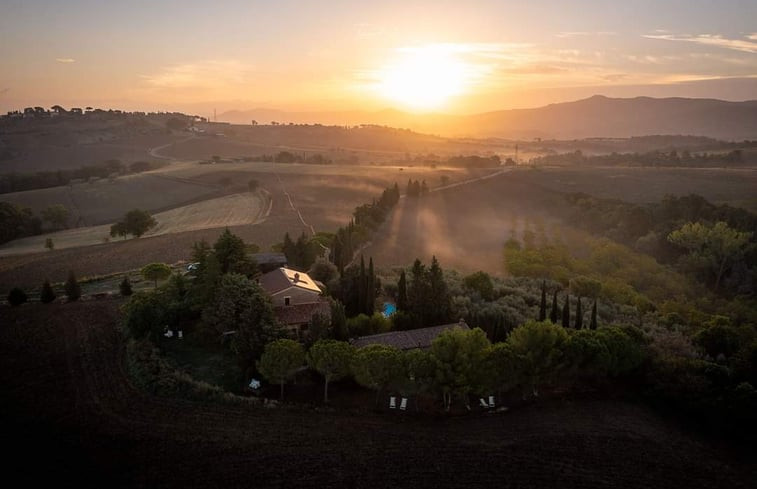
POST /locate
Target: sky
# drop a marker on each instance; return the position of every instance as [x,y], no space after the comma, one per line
[420,56]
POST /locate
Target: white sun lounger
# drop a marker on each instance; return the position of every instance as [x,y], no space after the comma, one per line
[392,402]
[403,404]
[482,402]
[491,401]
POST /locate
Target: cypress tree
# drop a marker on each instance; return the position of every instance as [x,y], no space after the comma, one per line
[579,315]
[46,295]
[543,305]
[593,323]
[72,287]
[566,312]
[555,310]
[361,287]
[370,292]
[402,292]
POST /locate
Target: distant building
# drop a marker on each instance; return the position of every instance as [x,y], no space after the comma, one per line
[408,340]
[296,299]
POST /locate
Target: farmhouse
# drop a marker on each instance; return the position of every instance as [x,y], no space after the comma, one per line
[296,298]
[407,340]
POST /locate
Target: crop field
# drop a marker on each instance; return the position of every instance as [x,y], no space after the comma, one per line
[368,144]
[69,406]
[302,198]
[54,144]
[737,187]
[231,210]
[105,201]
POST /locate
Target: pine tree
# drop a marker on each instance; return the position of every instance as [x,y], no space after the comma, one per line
[555,310]
[370,292]
[543,304]
[593,323]
[579,315]
[125,287]
[72,287]
[46,295]
[566,312]
[402,292]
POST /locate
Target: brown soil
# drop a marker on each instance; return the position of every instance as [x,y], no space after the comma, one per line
[71,415]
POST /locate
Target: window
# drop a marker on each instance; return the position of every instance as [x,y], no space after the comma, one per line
[287,301]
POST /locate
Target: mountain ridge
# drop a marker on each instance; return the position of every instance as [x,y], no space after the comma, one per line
[595,116]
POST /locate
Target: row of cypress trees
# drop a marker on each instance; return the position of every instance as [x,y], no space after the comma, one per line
[564,315]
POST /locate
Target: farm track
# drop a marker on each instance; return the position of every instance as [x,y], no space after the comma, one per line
[70,407]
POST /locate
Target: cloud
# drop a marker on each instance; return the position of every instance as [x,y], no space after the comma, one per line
[748,45]
[200,74]
[565,35]
[65,60]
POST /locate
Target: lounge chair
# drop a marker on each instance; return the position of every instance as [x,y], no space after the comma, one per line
[403,404]
[392,402]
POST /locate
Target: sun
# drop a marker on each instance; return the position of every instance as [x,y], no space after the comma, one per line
[423,78]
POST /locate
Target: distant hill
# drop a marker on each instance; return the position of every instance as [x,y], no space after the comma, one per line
[597,116]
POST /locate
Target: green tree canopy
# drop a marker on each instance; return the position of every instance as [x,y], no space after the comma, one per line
[232,255]
[280,361]
[482,283]
[460,356]
[712,248]
[155,272]
[57,215]
[240,305]
[538,349]
[136,222]
[332,359]
[376,367]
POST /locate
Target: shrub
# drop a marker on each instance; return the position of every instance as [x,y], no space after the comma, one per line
[46,295]
[72,287]
[125,287]
[16,297]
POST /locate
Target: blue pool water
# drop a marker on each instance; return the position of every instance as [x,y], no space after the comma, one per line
[389,309]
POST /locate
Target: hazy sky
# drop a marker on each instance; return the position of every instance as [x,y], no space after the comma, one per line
[450,56]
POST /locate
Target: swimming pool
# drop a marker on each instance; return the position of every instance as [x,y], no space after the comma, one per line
[389,309]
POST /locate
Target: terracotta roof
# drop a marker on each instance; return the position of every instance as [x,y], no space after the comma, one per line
[283,278]
[407,340]
[302,313]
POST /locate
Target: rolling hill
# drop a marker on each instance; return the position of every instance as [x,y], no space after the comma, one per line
[597,116]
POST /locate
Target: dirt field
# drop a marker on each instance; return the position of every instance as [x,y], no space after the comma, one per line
[103,201]
[68,407]
[465,227]
[231,210]
[324,196]
[721,186]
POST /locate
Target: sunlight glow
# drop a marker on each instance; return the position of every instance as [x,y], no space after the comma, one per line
[424,77]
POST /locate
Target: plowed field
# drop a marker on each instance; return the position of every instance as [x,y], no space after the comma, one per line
[71,415]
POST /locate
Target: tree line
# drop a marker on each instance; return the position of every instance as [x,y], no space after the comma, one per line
[658,158]
[18,182]
[464,362]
